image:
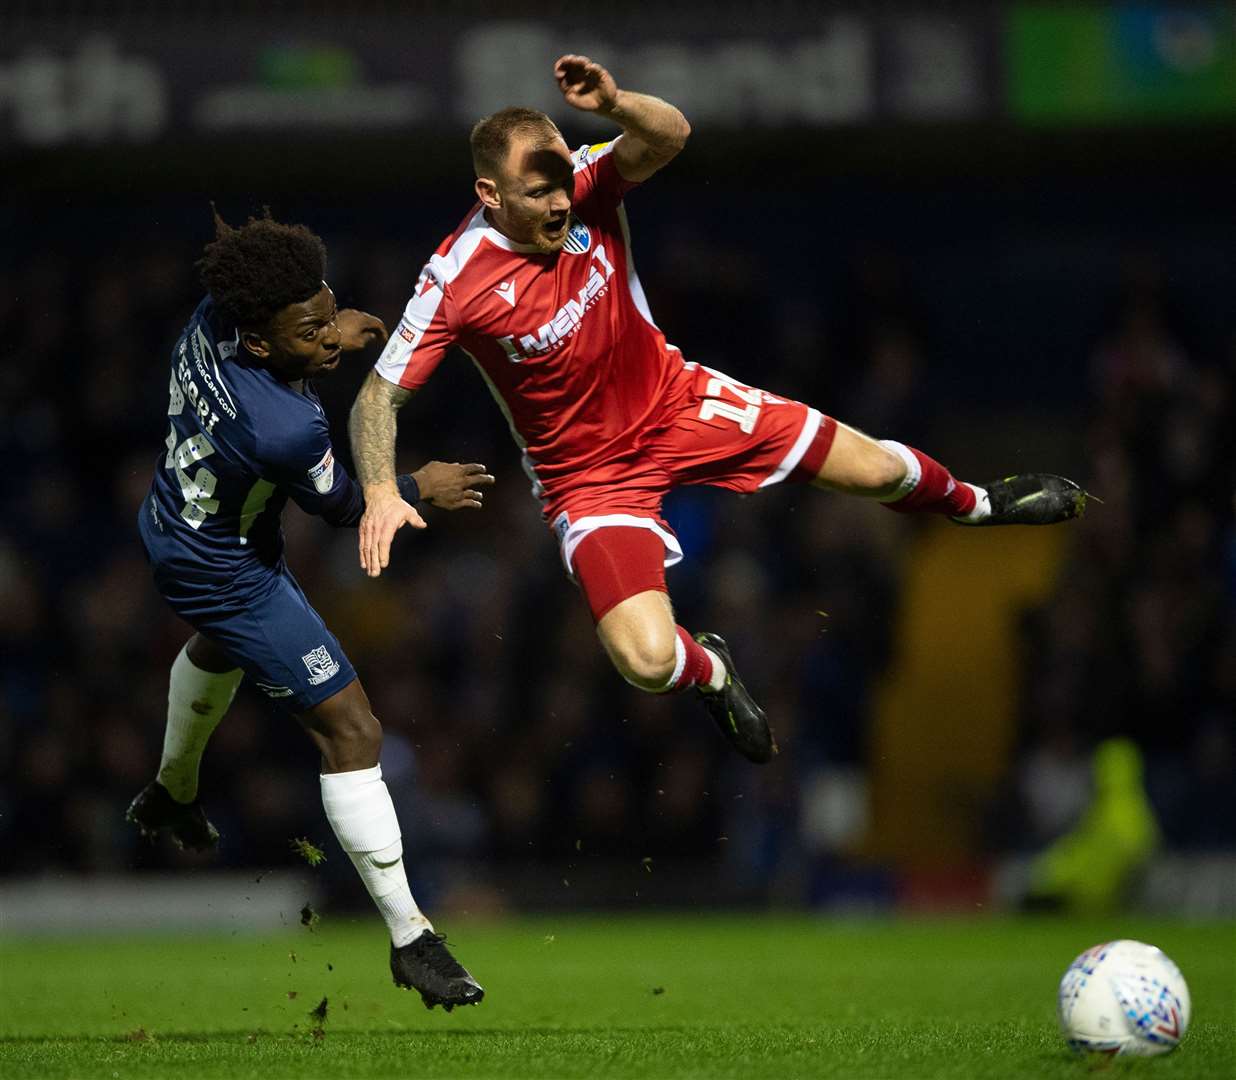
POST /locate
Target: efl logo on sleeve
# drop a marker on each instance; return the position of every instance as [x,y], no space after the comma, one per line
[323,473]
[321,665]
[586,154]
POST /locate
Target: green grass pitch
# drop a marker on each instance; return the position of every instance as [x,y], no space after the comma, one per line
[700,996]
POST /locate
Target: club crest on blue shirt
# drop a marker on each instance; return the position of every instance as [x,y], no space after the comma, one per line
[578,238]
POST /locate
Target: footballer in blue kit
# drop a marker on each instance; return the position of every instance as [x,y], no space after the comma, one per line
[246,432]
[241,440]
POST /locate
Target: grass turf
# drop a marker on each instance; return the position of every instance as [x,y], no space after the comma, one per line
[707,996]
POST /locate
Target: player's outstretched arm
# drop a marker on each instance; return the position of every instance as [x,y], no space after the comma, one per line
[449,485]
[372,425]
[654,130]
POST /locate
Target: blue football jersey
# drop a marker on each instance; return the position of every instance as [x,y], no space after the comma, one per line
[240,442]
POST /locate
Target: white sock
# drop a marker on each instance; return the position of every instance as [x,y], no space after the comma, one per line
[982,505]
[680,661]
[196,702]
[359,809]
[717,680]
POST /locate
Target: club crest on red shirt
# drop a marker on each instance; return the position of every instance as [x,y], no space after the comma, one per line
[578,239]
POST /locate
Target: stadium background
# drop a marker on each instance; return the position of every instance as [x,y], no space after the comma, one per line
[1001,232]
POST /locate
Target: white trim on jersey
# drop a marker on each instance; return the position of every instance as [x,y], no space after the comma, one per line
[633,282]
[529,465]
[500,239]
[810,426]
[578,530]
[448,267]
[421,309]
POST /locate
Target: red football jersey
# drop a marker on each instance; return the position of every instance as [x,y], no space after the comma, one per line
[565,341]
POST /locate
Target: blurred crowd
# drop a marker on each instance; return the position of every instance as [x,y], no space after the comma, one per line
[509,739]
[1139,638]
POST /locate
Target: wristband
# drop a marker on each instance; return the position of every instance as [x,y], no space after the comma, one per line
[409,490]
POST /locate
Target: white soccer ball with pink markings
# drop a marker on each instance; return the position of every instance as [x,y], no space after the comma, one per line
[1124,997]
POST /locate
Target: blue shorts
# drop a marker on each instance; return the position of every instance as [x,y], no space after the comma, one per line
[268,627]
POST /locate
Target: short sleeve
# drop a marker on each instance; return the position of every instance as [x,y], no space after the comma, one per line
[596,175]
[302,463]
[423,336]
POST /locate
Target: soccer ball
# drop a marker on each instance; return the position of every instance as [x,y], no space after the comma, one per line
[1123,997]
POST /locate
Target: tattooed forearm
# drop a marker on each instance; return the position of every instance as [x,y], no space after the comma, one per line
[371,426]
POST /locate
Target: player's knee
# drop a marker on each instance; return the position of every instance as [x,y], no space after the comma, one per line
[646,661]
[859,465]
[363,733]
[880,470]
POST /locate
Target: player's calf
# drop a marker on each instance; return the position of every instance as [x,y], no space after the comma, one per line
[920,484]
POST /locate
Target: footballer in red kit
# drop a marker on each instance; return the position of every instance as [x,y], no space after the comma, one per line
[538,286]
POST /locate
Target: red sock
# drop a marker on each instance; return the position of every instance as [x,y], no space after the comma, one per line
[936,492]
[697,664]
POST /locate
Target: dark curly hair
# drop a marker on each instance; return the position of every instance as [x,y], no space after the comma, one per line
[260,268]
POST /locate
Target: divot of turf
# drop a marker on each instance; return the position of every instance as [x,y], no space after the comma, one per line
[318,1015]
[308,850]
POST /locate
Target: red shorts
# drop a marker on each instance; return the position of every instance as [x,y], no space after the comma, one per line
[725,434]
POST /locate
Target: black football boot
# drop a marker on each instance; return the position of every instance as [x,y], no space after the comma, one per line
[740,719]
[1032,499]
[155,810]
[427,965]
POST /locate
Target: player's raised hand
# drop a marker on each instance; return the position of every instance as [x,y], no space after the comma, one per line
[385,514]
[359,329]
[585,84]
[451,486]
